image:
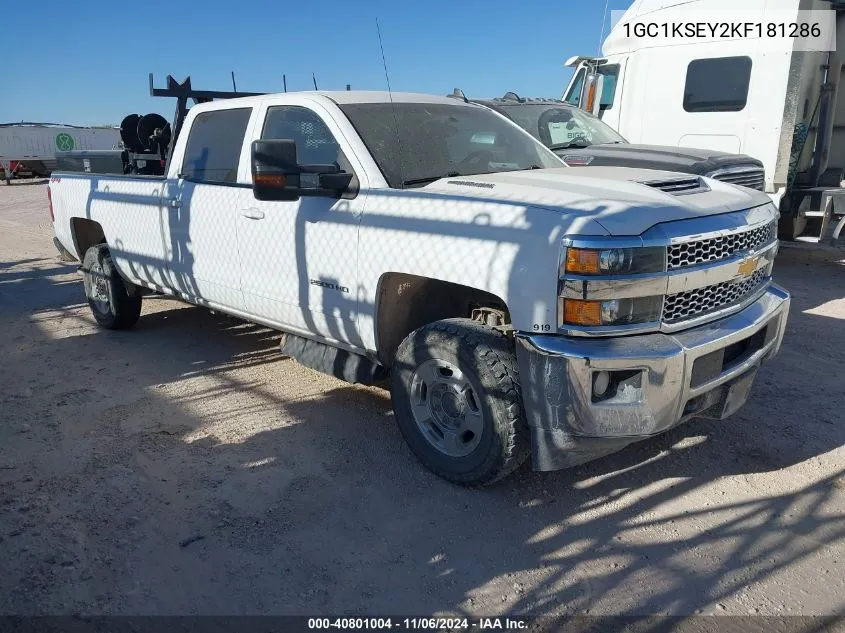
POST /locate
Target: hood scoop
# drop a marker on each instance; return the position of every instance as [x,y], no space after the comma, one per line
[678,186]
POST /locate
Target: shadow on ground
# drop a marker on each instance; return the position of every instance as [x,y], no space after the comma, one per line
[184,467]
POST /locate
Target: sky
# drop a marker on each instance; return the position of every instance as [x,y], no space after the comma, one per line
[88,64]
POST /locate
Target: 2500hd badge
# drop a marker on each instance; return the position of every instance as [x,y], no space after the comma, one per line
[329,285]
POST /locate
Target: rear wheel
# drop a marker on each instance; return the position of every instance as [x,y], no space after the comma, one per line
[115,303]
[455,392]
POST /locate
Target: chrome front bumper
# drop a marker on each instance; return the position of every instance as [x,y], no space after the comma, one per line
[705,371]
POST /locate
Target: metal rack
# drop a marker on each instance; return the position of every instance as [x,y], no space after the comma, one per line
[184,91]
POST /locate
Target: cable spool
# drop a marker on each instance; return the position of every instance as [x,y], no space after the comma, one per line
[129,133]
[153,131]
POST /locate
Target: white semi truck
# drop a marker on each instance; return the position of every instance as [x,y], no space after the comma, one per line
[518,305]
[776,103]
[30,148]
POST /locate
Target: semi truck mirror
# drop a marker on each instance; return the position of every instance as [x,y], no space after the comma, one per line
[591,93]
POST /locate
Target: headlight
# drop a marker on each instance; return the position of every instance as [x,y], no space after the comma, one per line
[590,277]
[614,261]
[587,312]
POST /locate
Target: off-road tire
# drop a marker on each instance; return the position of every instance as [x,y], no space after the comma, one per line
[486,357]
[123,307]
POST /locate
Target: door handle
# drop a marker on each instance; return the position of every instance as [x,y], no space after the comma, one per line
[174,203]
[253,213]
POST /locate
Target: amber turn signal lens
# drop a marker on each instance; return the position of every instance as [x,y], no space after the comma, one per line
[582,261]
[580,312]
[591,97]
[269,180]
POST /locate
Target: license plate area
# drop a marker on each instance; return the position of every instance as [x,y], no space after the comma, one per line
[724,400]
[708,367]
[736,392]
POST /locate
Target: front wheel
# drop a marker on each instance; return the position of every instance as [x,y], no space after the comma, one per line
[455,392]
[115,303]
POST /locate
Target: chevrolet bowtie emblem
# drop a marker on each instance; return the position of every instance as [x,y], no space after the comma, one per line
[747,267]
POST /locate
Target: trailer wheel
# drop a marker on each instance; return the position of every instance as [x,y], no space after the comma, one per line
[457,401]
[115,303]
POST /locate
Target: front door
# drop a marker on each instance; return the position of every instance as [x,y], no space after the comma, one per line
[299,259]
[202,210]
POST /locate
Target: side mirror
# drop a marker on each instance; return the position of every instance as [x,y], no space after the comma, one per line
[276,175]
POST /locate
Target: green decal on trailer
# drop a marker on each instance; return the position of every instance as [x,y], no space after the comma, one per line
[64,142]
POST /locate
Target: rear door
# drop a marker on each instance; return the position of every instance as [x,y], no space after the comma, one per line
[299,259]
[707,108]
[203,205]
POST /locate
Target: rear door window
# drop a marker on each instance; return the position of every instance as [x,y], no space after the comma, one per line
[214,145]
[719,84]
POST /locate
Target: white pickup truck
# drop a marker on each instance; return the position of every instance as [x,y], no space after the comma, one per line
[517,305]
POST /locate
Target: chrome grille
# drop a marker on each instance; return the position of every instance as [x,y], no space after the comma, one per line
[716,248]
[694,303]
[752,178]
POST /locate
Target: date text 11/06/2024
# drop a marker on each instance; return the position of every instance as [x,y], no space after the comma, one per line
[419,624]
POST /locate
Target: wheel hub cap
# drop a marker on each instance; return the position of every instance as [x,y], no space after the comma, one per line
[99,289]
[445,405]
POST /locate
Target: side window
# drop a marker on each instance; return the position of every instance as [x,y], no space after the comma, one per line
[574,95]
[717,85]
[315,144]
[214,146]
[608,89]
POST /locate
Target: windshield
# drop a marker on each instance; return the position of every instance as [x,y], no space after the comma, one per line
[575,90]
[560,126]
[417,143]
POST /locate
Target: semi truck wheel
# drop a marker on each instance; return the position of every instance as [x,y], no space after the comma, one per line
[115,303]
[457,401]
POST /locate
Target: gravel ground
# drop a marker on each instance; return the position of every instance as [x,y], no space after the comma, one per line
[184,467]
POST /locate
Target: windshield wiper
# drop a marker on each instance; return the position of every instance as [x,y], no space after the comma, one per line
[575,143]
[428,179]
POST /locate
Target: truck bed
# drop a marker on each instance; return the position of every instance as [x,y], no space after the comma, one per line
[121,205]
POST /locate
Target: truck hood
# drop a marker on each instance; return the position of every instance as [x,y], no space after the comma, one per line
[612,196]
[665,157]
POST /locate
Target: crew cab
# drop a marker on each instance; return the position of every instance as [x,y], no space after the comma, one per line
[518,306]
[580,138]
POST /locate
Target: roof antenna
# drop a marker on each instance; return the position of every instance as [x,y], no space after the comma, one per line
[457,93]
[392,105]
[314,79]
[234,85]
[601,33]
[285,83]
